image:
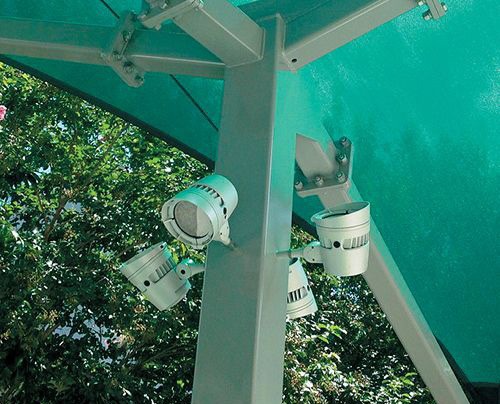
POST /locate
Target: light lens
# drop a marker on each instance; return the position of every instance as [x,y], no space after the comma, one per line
[191,220]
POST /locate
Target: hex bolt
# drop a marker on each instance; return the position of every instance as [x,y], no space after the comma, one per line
[128,67]
[139,79]
[298,185]
[117,56]
[126,35]
[421,3]
[427,16]
[342,158]
[344,141]
[340,176]
[445,7]
[318,180]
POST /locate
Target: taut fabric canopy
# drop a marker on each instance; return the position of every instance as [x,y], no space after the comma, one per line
[420,101]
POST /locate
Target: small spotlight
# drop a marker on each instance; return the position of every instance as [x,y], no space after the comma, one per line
[300,299]
[200,214]
[154,272]
[344,241]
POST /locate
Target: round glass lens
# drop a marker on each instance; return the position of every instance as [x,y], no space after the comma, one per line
[191,220]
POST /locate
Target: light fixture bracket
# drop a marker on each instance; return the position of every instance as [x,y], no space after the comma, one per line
[333,171]
[115,56]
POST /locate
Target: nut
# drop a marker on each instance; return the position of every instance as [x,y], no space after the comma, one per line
[344,141]
[342,158]
[128,67]
[126,35]
[318,180]
[427,16]
[340,176]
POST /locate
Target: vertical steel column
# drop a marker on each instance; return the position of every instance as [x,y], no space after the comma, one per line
[242,327]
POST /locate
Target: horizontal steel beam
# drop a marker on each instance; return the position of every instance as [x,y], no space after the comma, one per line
[174,53]
[224,30]
[216,24]
[166,51]
[332,24]
[216,34]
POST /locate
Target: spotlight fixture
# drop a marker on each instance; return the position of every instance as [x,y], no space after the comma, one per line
[300,300]
[164,283]
[343,233]
[344,240]
[200,214]
[155,273]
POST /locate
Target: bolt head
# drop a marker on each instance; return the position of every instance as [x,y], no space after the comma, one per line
[342,158]
[298,185]
[126,35]
[344,141]
[427,16]
[340,176]
[117,56]
[421,3]
[445,7]
[318,180]
[128,67]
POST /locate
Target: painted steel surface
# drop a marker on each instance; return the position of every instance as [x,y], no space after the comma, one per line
[419,99]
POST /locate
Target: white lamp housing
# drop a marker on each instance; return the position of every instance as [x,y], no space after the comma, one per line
[153,272]
[300,299]
[200,214]
[343,233]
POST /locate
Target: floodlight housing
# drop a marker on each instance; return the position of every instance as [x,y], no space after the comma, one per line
[200,214]
[300,298]
[153,272]
[344,241]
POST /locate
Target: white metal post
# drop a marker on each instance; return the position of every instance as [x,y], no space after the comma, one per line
[242,326]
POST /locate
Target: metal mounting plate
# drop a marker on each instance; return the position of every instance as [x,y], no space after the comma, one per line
[115,56]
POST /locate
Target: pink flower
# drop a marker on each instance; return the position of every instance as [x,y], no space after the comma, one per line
[3,111]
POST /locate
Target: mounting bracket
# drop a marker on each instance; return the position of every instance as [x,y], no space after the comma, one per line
[187,268]
[436,10]
[334,166]
[115,55]
[161,10]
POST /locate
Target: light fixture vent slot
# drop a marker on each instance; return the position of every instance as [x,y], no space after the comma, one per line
[356,242]
[296,295]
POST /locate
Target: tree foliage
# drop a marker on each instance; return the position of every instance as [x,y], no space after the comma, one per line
[80,192]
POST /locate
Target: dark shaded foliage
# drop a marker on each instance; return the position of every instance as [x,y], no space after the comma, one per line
[80,192]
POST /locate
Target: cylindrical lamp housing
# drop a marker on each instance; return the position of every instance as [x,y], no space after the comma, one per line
[200,213]
[152,271]
[343,232]
[300,300]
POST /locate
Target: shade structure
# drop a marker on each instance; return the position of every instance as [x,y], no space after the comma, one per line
[420,101]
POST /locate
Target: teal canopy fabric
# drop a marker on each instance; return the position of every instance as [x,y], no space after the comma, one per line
[419,99]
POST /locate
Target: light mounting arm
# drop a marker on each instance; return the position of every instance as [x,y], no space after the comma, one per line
[188,268]
[309,253]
